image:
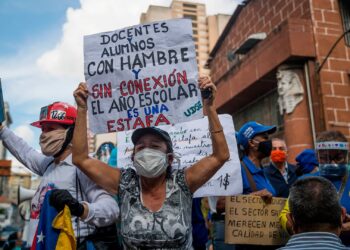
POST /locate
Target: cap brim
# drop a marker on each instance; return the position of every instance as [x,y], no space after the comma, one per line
[138,133]
[267,129]
[38,123]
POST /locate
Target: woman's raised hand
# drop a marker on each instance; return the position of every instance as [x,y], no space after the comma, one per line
[205,83]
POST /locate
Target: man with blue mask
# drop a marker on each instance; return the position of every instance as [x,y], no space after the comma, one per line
[332,149]
[333,158]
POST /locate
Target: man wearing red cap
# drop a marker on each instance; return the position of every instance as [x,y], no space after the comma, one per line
[93,205]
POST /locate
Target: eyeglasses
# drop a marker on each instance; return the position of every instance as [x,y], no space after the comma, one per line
[336,156]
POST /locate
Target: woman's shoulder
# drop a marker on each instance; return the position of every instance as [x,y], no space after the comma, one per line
[126,174]
[128,178]
[180,178]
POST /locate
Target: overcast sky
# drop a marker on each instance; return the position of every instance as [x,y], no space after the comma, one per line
[41,48]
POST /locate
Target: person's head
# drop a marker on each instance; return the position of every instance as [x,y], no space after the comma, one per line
[306,162]
[153,151]
[279,151]
[332,150]
[56,122]
[314,206]
[253,138]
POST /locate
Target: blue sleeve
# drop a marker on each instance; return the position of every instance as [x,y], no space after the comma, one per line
[245,182]
[268,184]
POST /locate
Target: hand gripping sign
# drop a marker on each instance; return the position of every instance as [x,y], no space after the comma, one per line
[141,76]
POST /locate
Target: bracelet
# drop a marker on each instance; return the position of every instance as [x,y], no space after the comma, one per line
[216,131]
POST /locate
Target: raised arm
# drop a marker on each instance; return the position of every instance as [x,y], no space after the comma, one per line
[203,170]
[98,171]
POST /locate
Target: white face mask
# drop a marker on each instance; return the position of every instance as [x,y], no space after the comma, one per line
[150,163]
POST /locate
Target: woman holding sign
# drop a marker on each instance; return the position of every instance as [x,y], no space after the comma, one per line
[155,201]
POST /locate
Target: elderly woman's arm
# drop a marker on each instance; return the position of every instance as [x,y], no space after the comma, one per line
[98,171]
[203,170]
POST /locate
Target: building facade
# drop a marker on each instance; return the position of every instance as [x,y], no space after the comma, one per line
[206,29]
[287,63]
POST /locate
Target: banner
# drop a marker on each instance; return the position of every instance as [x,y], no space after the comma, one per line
[249,220]
[141,76]
[192,142]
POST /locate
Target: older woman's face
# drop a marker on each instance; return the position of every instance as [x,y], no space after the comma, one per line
[150,141]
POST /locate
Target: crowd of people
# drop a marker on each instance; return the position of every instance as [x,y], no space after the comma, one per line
[156,208]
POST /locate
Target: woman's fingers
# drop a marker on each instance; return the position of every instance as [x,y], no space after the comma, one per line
[81,91]
[81,94]
[204,80]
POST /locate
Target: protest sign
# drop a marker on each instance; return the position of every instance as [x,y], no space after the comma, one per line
[2,106]
[249,220]
[191,140]
[141,76]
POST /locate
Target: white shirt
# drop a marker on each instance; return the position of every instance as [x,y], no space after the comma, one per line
[103,209]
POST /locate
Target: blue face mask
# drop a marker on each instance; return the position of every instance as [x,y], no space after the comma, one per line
[333,170]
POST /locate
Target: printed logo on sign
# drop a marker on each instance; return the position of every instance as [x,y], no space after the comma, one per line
[248,133]
[57,114]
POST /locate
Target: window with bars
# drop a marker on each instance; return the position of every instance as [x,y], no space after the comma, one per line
[189,10]
[344,6]
[190,17]
[264,110]
[192,6]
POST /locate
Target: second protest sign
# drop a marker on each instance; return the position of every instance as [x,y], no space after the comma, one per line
[249,220]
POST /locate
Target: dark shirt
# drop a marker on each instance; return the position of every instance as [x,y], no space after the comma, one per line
[199,230]
[278,182]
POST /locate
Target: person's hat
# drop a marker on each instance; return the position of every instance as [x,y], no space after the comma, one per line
[250,129]
[57,112]
[307,160]
[138,133]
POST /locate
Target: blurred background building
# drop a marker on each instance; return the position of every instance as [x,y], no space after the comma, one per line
[5,165]
[7,208]
[206,29]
